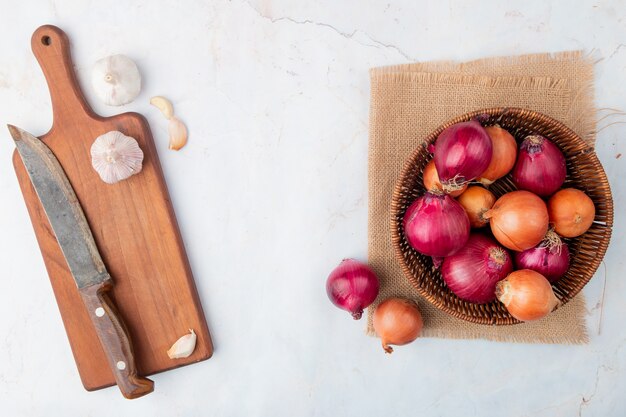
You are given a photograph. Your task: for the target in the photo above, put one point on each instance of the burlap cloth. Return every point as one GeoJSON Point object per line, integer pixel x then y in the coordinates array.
{"type": "Point", "coordinates": [410, 101]}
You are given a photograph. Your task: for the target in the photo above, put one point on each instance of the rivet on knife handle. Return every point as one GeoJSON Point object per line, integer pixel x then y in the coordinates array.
{"type": "Point", "coordinates": [83, 259]}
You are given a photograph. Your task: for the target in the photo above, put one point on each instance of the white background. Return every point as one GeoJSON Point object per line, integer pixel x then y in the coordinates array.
{"type": "Point", "coordinates": [271, 194]}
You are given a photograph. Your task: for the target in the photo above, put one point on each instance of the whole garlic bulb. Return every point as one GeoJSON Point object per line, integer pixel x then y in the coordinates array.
{"type": "Point", "coordinates": [116, 80]}
{"type": "Point", "coordinates": [116, 156]}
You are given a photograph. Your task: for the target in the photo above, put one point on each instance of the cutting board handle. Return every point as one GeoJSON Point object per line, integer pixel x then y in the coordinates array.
{"type": "Point", "coordinates": [51, 47]}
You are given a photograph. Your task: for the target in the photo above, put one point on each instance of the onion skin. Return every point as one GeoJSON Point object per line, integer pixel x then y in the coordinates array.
{"type": "Point", "coordinates": [397, 321]}
{"type": "Point", "coordinates": [431, 180]}
{"type": "Point", "coordinates": [437, 261]}
{"type": "Point", "coordinates": [477, 201]}
{"type": "Point", "coordinates": [473, 272]}
{"type": "Point", "coordinates": [352, 286]}
{"type": "Point", "coordinates": [550, 258]}
{"type": "Point", "coordinates": [527, 295]}
{"type": "Point", "coordinates": [518, 220]}
{"type": "Point", "coordinates": [503, 156]}
{"type": "Point", "coordinates": [571, 212]}
{"type": "Point", "coordinates": [462, 152]}
{"type": "Point", "coordinates": [540, 166]}
{"type": "Point", "coordinates": [436, 225]}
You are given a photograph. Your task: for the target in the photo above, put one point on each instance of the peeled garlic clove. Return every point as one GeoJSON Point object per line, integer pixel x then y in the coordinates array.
{"type": "Point", "coordinates": [164, 105]}
{"type": "Point", "coordinates": [116, 80]}
{"type": "Point", "coordinates": [183, 346]}
{"type": "Point", "coordinates": [178, 133]}
{"type": "Point", "coordinates": [116, 156]}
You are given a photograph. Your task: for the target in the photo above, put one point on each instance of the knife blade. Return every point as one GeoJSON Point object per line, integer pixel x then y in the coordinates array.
{"type": "Point", "coordinates": [79, 249]}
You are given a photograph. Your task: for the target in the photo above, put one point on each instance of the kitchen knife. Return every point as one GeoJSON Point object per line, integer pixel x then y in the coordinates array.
{"type": "Point", "coordinates": [81, 254]}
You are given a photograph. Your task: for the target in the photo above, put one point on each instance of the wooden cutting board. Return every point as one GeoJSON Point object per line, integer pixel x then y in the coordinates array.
{"type": "Point", "coordinates": [133, 224]}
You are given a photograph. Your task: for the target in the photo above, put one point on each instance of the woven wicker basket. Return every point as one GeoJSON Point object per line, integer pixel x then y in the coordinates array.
{"type": "Point", "coordinates": [584, 172]}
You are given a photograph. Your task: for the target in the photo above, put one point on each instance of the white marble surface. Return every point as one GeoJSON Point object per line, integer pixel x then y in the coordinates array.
{"type": "Point", "coordinates": [271, 193]}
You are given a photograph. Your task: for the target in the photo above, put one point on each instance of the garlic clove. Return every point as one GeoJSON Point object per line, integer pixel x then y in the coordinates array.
{"type": "Point", "coordinates": [116, 80]}
{"type": "Point", "coordinates": [164, 105]}
{"type": "Point", "coordinates": [176, 128]}
{"type": "Point", "coordinates": [115, 156]}
{"type": "Point", "coordinates": [184, 346]}
{"type": "Point", "coordinates": [178, 133]}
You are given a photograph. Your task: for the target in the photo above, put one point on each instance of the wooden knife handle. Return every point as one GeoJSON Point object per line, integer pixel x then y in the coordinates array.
{"type": "Point", "coordinates": [115, 341]}
{"type": "Point", "coordinates": [51, 47]}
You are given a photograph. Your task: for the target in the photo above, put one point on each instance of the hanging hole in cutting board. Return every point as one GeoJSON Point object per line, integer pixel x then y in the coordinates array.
{"type": "Point", "coordinates": [46, 40]}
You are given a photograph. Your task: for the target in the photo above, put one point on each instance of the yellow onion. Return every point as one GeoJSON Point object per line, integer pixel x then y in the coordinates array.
{"type": "Point", "coordinates": [504, 155]}
{"type": "Point", "coordinates": [477, 201]}
{"type": "Point", "coordinates": [571, 212]}
{"type": "Point", "coordinates": [527, 295]}
{"type": "Point", "coordinates": [518, 220]}
{"type": "Point", "coordinates": [431, 180]}
{"type": "Point", "coordinates": [397, 321]}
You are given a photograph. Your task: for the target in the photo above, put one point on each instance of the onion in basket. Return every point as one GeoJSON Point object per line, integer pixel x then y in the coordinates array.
{"type": "Point", "coordinates": [477, 201]}
{"type": "Point", "coordinates": [431, 180]}
{"type": "Point", "coordinates": [519, 220]}
{"type": "Point", "coordinates": [550, 258]}
{"type": "Point", "coordinates": [571, 211]}
{"type": "Point", "coordinates": [527, 295]}
{"type": "Point", "coordinates": [540, 166]}
{"type": "Point", "coordinates": [504, 155]}
{"type": "Point", "coordinates": [436, 225]}
{"type": "Point", "coordinates": [462, 152]}
{"type": "Point", "coordinates": [473, 272]}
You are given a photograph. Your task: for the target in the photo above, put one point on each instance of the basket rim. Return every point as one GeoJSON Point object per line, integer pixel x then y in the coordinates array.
{"type": "Point", "coordinates": [397, 236]}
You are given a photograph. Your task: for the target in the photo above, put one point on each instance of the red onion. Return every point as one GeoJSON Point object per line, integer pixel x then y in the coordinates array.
{"type": "Point", "coordinates": [540, 166]}
{"type": "Point", "coordinates": [473, 272]}
{"type": "Point", "coordinates": [436, 225]}
{"type": "Point", "coordinates": [352, 286]}
{"type": "Point", "coordinates": [462, 152]}
{"type": "Point", "coordinates": [550, 258]}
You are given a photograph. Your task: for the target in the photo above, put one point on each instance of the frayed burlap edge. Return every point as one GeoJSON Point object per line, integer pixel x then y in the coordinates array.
{"type": "Point", "coordinates": [487, 69]}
